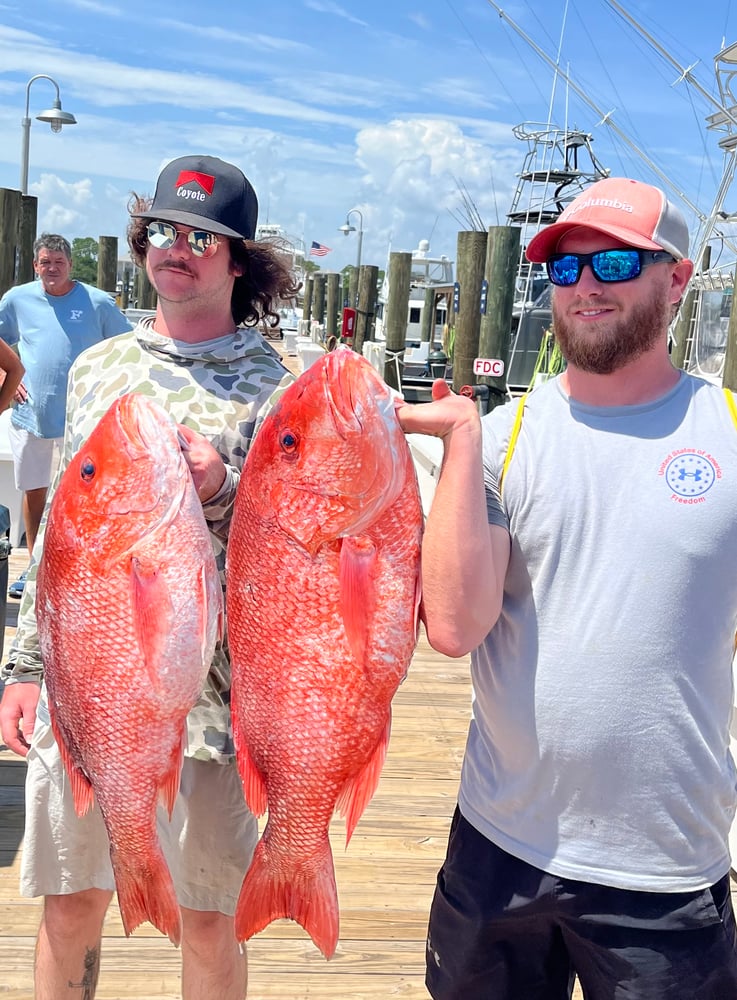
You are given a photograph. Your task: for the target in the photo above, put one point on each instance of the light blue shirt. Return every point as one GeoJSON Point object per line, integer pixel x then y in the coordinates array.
{"type": "Point", "coordinates": [599, 745]}
{"type": "Point", "coordinates": [50, 331]}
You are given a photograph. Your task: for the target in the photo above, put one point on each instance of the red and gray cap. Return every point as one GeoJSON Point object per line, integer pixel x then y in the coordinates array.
{"type": "Point", "coordinates": [208, 192]}
{"type": "Point", "coordinates": [637, 214]}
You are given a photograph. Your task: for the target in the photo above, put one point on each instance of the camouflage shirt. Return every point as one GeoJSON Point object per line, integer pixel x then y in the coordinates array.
{"type": "Point", "coordinates": [222, 388]}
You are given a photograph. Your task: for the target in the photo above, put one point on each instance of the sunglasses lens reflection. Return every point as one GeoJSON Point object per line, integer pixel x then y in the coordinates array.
{"type": "Point", "coordinates": [162, 236]}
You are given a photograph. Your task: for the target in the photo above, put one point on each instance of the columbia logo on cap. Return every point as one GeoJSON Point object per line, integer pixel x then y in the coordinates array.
{"type": "Point", "coordinates": [577, 206]}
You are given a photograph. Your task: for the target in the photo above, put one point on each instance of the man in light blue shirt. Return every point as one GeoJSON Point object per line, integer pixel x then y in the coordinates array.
{"type": "Point", "coordinates": [51, 321]}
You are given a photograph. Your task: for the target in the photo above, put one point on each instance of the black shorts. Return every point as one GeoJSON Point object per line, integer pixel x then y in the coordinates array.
{"type": "Point", "coordinates": [503, 930]}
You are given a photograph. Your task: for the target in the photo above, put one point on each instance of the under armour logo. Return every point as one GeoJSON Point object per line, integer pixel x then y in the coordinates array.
{"type": "Point", "coordinates": [695, 475]}
{"type": "Point", "coordinates": [76, 314]}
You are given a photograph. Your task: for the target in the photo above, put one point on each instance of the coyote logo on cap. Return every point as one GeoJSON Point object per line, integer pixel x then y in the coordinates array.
{"type": "Point", "coordinates": [205, 181]}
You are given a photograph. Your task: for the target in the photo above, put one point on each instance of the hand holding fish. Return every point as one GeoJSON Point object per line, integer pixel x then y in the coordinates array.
{"type": "Point", "coordinates": [206, 466]}
{"type": "Point", "coordinates": [18, 715]}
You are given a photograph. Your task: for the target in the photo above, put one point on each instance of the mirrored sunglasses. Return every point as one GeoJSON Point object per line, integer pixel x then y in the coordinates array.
{"type": "Point", "coordinates": [162, 235]}
{"type": "Point", "coordinates": [608, 265]}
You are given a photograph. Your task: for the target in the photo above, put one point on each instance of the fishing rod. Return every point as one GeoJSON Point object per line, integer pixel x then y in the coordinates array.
{"type": "Point", "coordinates": [606, 117]}
{"type": "Point", "coordinates": [724, 117]}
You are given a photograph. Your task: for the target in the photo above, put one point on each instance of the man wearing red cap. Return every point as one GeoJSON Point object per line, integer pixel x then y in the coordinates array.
{"type": "Point", "coordinates": [582, 545]}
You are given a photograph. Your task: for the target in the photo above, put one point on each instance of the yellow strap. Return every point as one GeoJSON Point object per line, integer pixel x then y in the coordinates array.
{"type": "Point", "coordinates": [731, 404]}
{"type": "Point", "coordinates": [516, 426]}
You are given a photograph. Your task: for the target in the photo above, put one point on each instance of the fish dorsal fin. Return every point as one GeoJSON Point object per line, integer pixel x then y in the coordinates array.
{"type": "Point", "coordinates": [357, 592]}
{"type": "Point", "coordinates": [358, 791]}
{"type": "Point", "coordinates": [153, 615]}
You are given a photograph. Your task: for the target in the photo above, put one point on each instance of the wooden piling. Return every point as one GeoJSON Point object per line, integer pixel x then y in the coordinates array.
{"type": "Point", "coordinates": [470, 265]}
{"type": "Point", "coordinates": [427, 321]}
{"type": "Point", "coordinates": [10, 217]}
{"type": "Point", "coordinates": [366, 306]}
{"type": "Point", "coordinates": [145, 291]}
{"type": "Point", "coordinates": [495, 336]}
{"type": "Point", "coordinates": [318, 305]}
{"type": "Point", "coordinates": [353, 278]}
{"type": "Point", "coordinates": [107, 264]}
{"type": "Point", "coordinates": [28, 223]}
{"type": "Point", "coordinates": [400, 272]}
{"type": "Point", "coordinates": [125, 291]}
{"type": "Point", "coordinates": [333, 305]}
{"type": "Point", "coordinates": [308, 294]}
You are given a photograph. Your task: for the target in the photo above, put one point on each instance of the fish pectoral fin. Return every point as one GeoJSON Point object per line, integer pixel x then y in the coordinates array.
{"type": "Point", "coordinates": [357, 591]}
{"type": "Point", "coordinates": [358, 791]}
{"type": "Point", "coordinates": [153, 614]}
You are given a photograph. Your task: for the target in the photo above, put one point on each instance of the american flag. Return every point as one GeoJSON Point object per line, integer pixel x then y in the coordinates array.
{"type": "Point", "coordinates": [318, 249]}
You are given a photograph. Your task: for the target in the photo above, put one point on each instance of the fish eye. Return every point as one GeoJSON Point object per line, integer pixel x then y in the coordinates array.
{"type": "Point", "coordinates": [288, 441]}
{"type": "Point", "coordinates": [87, 469]}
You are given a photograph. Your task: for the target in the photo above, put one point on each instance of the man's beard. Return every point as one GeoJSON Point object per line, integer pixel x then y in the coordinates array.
{"type": "Point", "coordinates": [622, 341]}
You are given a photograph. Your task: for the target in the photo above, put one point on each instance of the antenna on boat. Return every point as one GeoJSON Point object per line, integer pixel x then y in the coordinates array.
{"type": "Point", "coordinates": [724, 119]}
{"type": "Point", "coordinates": [557, 64]}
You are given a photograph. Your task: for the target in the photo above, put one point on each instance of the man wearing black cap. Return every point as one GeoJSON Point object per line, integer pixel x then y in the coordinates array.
{"type": "Point", "coordinates": [202, 359]}
{"type": "Point", "coordinates": [582, 546]}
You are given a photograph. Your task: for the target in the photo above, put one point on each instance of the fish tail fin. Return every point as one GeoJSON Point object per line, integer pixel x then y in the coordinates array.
{"type": "Point", "coordinates": [146, 892]}
{"type": "Point", "coordinates": [307, 895]}
{"type": "Point", "coordinates": [358, 791]}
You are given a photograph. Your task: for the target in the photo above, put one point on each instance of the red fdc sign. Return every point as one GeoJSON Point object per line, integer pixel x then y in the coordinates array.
{"type": "Point", "coordinates": [488, 366]}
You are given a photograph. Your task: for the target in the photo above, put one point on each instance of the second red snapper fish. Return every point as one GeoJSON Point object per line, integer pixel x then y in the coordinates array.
{"type": "Point", "coordinates": [323, 574]}
{"type": "Point", "coordinates": [129, 608]}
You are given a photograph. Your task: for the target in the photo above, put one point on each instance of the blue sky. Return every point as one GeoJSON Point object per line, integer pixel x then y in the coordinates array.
{"type": "Point", "coordinates": [391, 108]}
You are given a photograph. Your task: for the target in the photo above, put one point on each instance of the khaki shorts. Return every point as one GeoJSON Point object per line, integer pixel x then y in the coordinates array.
{"type": "Point", "coordinates": [208, 845]}
{"type": "Point", "coordinates": [34, 458]}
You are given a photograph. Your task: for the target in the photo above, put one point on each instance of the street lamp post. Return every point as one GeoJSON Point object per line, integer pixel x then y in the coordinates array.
{"type": "Point", "coordinates": [54, 116]}
{"type": "Point", "coordinates": [348, 228]}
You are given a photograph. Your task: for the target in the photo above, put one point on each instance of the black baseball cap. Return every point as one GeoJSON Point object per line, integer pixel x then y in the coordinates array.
{"type": "Point", "coordinates": [208, 192]}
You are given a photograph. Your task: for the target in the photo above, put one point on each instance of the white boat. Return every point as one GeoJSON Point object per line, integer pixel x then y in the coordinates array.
{"type": "Point", "coordinates": [293, 247]}
{"type": "Point", "coordinates": [426, 272]}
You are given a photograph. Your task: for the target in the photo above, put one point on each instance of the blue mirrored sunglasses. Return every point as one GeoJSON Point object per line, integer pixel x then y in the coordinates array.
{"type": "Point", "coordinates": [162, 235]}
{"type": "Point", "coordinates": [608, 265]}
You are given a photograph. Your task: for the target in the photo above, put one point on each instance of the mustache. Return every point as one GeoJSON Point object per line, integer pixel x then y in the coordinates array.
{"type": "Point", "coordinates": [173, 267]}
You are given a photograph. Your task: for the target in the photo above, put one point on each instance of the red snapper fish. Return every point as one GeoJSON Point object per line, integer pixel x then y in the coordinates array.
{"type": "Point", "coordinates": [323, 574]}
{"type": "Point", "coordinates": [129, 608]}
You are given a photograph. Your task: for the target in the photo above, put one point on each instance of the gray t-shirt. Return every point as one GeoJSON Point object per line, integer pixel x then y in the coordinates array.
{"type": "Point", "coordinates": [598, 748]}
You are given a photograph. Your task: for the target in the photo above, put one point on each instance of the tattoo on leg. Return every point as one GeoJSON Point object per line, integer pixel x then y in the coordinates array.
{"type": "Point", "coordinates": [88, 985]}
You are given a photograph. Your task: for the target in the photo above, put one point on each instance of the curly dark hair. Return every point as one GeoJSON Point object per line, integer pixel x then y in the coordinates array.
{"type": "Point", "coordinates": [266, 280]}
